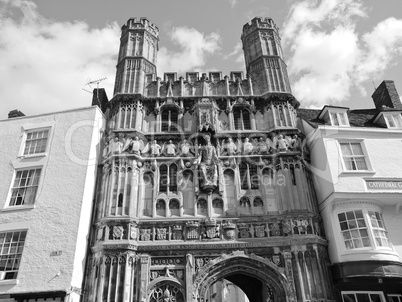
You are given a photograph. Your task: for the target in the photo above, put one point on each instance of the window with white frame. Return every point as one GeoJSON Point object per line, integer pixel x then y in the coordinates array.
{"type": "Point", "coordinates": [393, 120]}
{"type": "Point", "coordinates": [362, 296]}
{"type": "Point", "coordinates": [11, 246]}
{"type": "Point", "coordinates": [338, 119]}
{"type": "Point", "coordinates": [395, 298]}
{"type": "Point", "coordinates": [25, 187]}
{"type": "Point", "coordinates": [36, 141]}
{"type": "Point", "coordinates": [363, 229]}
{"type": "Point", "coordinates": [353, 156]}
{"type": "Point", "coordinates": [379, 231]}
{"type": "Point", "coordinates": [354, 229]}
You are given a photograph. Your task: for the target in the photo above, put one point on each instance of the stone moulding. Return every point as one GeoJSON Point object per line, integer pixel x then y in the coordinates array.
{"type": "Point", "coordinates": [241, 262]}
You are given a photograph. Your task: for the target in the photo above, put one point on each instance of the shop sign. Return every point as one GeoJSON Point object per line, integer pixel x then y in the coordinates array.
{"type": "Point", "coordinates": [384, 185]}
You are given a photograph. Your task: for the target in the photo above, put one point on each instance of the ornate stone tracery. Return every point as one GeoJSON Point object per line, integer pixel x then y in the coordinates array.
{"type": "Point", "coordinates": [204, 179]}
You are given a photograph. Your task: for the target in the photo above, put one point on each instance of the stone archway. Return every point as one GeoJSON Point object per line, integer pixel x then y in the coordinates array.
{"type": "Point", "coordinates": [166, 290]}
{"type": "Point", "coordinates": [242, 269]}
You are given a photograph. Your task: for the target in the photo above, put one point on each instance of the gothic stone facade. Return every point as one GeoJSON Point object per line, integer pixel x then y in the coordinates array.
{"type": "Point", "coordinates": [204, 178]}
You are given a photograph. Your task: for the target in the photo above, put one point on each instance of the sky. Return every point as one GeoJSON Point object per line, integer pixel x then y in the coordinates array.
{"type": "Point", "coordinates": [336, 51]}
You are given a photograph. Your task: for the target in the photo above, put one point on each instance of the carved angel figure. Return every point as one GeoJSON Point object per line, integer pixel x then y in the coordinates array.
{"type": "Point", "coordinates": [282, 144]}
{"type": "Point", "coordinates": [133, 145]}
{"type": "Point", "coordinates": [262, 146]}
{"type": "Point", "coordinates": [247, 146]}
{"type": "Point", "coordinates": [137, 145]}
{"type": "Point", "coordinates": [186, 149]}
{"type": "Point", "coordinates": [154, 149]}
{"type": "Point", "coordinates": [229, 148]}
{"type": "Point", "coordinates": [115, 145]}
{"type": "Point", "coordinates": [169, 149]}
{"type": "Point", "coordinates": [295, 142]}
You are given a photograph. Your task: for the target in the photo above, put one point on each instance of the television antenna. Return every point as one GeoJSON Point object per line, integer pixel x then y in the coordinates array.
{"type": "Point", "coordinates": [89, 83]}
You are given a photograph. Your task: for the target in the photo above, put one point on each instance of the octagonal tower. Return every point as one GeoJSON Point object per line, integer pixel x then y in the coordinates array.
{"type": "Point", "coordinates": [264, 57]}
{"type": "Point", "coordinates": [136, 64]}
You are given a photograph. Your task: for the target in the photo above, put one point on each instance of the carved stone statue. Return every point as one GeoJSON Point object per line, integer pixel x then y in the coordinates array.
{"type": "Point", "coordinates": [294, 142]}
{"type": "Point", "coordinates": [115, 146]}
{"type": "Point", "coordinates": [229, 148]}
{"type": "Point", "coordinates": [282, 143]}
{"type": "Point", "coordinates": [263, 148]}
{"type": "Point", "coordinates": [207, 161]}
{"type": "Point", "coordinates": [247, 146]}
{"type": "Point", "coordinates": [136, 145]}
{"type": "Point", "coordinates": [154, 149]}
{"type": "Point", "coordinates": [186, 149]}
{"type": "Point", "coordinates": [169, 149]}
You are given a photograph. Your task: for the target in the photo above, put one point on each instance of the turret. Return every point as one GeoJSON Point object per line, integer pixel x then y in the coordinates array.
{"type": "Point", "coordinates": [264, 57]}
{"type": "Point", "coordinates": [136, 64]}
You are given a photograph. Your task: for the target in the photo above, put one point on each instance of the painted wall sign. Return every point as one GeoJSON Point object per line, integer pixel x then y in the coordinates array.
{"type": "Point", "coordinates": [384, 184]}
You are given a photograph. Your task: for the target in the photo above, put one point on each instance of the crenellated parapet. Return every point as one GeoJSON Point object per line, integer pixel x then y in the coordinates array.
{"type": "Point", "coordinates": [141, 23]}
{"type": "Point", "coordinates": [260, 23]}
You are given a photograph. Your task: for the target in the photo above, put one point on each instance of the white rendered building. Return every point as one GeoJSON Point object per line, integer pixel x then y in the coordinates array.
{"type": "Point", "coordinates": [357, 167]}
{"type": "Point", "coordinates": [48, 168]}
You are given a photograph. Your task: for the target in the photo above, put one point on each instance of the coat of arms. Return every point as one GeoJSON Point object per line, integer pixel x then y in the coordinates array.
{"type": "Point", "coordinates": [133, 233]}
{"type": "Point", "coordinates": [145, 234]}
{"type": "Point", "coordinates": [117, 232]}
{"type": "Point", "coordinates": [161, 234]}
{"type": "Point", "coordinates": [211, 231]}
{"type": "Point", "coordinates": [259, 231]}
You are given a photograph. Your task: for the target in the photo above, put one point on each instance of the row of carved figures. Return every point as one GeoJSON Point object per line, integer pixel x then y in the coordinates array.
{"type": "Point", "coordinates": [227, 147]}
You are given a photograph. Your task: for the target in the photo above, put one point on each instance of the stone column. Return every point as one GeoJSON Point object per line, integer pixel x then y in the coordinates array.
{"type": "Point", "coordinates": [189, 276]}
{"type": "Point", "coordinates": [128, 277]}
{"type": "Point", "coordinates": [101, 279]}
{"type": "Point", "coordinates": [289, 274]}
{"type": "Point", "coordinates": [144, 260]}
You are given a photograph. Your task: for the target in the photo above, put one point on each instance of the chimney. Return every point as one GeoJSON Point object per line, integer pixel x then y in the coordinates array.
{"type": "Point", "coordinates": [15, 113]}
{"type": "Point", "coordinates": [386, 96]}
{"type": "Point", "coordinates": [99, 98]}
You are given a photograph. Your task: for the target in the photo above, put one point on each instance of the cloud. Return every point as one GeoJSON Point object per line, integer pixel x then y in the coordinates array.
{"type": "Point", "coordinates": [381, 46]}
{"type": "Point", "coordinates": [232, 3]}
{"type": "Point", "coordinates": [237, 54]}
{"type": "Point", "coordinates": [313, 13]}
{"type": "Point", "coordinates": [329, 57]}
{"type": "Point", "coordinates": [323, 63]}
{"type": "Point", "coordinates": [46, 63]}
{"type": "Point", "coordinates": [194, 48]}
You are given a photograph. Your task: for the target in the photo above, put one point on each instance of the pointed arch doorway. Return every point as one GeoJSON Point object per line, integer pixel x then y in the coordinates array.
{"type": "Point", "coordinates": [259, 279]}
{"type": "Point", "coordinates": [239, 287]}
